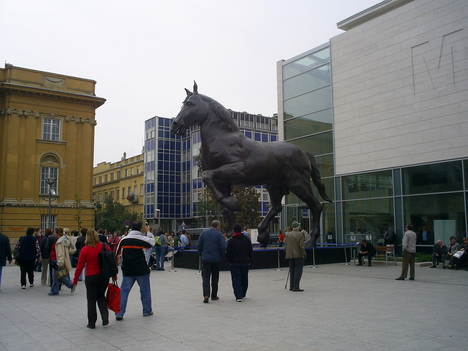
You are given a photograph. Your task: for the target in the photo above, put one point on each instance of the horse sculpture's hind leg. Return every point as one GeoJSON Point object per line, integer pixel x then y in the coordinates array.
{"type": "Point", "coordinates": [276, 194]}
{"type": "Point", "coordinates": [303, 190]}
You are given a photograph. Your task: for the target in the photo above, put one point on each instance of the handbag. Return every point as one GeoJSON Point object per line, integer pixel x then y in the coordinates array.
{"type": "Point", "coordinates": [61, 273]}
{"type": "Point", "coordinates": [113, 296]}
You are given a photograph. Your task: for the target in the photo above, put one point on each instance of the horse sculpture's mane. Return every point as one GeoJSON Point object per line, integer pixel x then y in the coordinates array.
{"type": "Point", "coordinates": [220, 111]}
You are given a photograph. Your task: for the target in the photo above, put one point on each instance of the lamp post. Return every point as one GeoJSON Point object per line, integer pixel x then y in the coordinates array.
{"type": "Point", "coordinates": [50, 182]}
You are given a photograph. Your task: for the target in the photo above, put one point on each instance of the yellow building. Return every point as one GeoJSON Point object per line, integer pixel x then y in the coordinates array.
{"type": "Point", "coordinates": [123, 181]}
{"type": "Point", "coordinates": [47, 123]}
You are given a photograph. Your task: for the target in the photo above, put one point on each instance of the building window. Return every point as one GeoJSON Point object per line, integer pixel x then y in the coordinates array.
{"type": "Point", "coordinates": [51, 129]}
{"type": "Point", "coordinates": [47, 222]}
{"type": "Point", "coordinates": [123, 193]}
{"type": "Point", "coordinates": [48, 174]}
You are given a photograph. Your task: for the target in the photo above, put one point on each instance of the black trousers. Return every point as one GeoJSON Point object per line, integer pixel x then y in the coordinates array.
{"type": "Point", "coordinates": [296, 266]}
{"type": "Point", "coordinates": [369, 257]}
{"type": "Point", "coordinates": [26, 267]}
{"type": "Point", "coordinates": [240, 279]}
{"type": "Point", "coordinates": [95, 293]}
{"type": "Point", "coordinates": [210, 269]}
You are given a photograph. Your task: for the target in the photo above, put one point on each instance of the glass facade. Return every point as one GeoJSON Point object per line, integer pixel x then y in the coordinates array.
{"type": "Point", "coordinates": [433, 197]}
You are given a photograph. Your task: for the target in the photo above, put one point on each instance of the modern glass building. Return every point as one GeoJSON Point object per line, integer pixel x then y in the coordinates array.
{"type": "Point", "coordinates": [384, 108]}
{"type": "Point", "coordinates": [173, 184]}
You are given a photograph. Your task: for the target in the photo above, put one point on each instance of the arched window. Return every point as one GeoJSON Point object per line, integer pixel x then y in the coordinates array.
{"type": "Point", "coordinates": [49, 174]}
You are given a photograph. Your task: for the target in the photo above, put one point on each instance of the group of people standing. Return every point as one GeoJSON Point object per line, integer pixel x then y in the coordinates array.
{"type": "Point", "coordinates": [212, 245]}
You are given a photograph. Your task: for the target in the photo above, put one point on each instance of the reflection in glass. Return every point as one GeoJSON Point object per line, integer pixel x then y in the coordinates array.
{"type": "Point", "coordinates": [316, 144]}
{"type": "Point", "coordinates": [442, 215]}
{"type": "Point", "coordinates": [303, 83]}
{"type": "Point", "coordinates": [433, 178]}
{"type": "Point", "coordinates": [368, 185]}
{"type": "Point", "coordinates": [304, 104]}
{"type": "Point", "coordinates": [367, 216]}
{"type": "Point", "coordinates": [305, 63]}
{"type": "Point", "coordinates": [325, 165]}
{"type": "Point", "coordinates": [308, 124]}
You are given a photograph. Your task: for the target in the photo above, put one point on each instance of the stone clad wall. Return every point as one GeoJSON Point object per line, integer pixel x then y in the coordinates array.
{"type": "Point", "coordinates": [400, 84]}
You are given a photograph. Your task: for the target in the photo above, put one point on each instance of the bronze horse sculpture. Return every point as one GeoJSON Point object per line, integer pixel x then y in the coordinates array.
{"type": "Point", "coordinates": [229, 158]}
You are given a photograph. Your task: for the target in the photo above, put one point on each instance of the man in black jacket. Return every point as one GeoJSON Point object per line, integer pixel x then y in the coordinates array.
{"type": "Point", "coordinates": [5, 253]}
{"type": "Point", "coordinates": [134, 268]}
{"type": "Point", "coordinates": [239, 254]}
{"type": "Point", "coordinates": [439, 251]}
{"type": "Point", "coordinates": [367, 249]}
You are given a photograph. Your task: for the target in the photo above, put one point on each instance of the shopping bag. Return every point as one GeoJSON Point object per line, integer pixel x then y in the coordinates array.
{"type": "Point", "coordinates": [113, 297]}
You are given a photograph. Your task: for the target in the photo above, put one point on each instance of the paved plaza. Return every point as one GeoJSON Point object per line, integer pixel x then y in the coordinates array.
{"type": "Point", "coordinates": [343, 307]}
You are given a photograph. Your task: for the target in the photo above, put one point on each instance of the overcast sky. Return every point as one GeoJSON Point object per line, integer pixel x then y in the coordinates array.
{"type": "Point", "coordinates": [143, 53]}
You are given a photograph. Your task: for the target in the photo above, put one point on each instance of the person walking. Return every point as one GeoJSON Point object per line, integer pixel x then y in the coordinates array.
{"type": "Point", "coordinates": [211, 246]}
{"type": "Point", "coordinates": [295, 253]}
{"type": "Point", "coordinates": [160, 242]}
{"type": "Point", "coordinates": [409, 253]}
{"type": "Point", "coordinates": [60, 260]}
{"type": "Point", "coordinates": [5, 253]}
{"type": "Point", "coordinates": [134, 268]}
{"type": "Point", "coordinates": [27, 249]}
{"type": "Point", "coordinates": [95, 284]}
{"type": "Point", "coordinates": [45, 255]}
{"type": "Point", "coordinates": [239, 254]}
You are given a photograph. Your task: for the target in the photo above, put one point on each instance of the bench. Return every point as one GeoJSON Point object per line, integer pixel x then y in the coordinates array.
{"type": "Point", "coordinates": [385, 251]}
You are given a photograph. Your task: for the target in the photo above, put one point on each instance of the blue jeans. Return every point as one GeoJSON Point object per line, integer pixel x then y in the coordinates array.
{"type": "Point", "coordinates": [56, 283]}
{"type": "Point", "coordinates": [145, 293]}
{"type": "Point", "coordinates": [160, 253]}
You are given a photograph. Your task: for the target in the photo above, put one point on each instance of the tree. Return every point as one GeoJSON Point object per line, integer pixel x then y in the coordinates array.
{"type": "Point", "coordinates": [79, 209]}
{"type": "Point", "coordinates": [207, 207]}
{"type": "Point", "coordinates": [250, 204]}
{"type": "Point", "coordinates": [113, 216]}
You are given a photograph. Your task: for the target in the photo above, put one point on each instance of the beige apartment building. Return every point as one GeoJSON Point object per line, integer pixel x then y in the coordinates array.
{"type": "Point", "coordinates": [47, 123]}
{"type": "Point", "coordinates": [123, 181]}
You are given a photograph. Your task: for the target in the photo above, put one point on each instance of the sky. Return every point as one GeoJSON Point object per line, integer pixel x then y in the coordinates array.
{"type": "Point", "coordinates": [143, 53]}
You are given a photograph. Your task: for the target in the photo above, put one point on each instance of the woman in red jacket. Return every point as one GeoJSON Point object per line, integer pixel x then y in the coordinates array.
{"type": "Point", "coordinates": [95, 285]}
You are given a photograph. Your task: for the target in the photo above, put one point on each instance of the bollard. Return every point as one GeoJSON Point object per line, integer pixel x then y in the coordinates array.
{"type": "Point", "coordinates": [279, 266]}
{"type": "Point", "coordinates": [172, 261]}
{"type": "Point", "coordinates": [313, 258]}
{"type": "Point", "coordinates": [199, 266]}
{"type": "Point", "coordinates": [345, 256]}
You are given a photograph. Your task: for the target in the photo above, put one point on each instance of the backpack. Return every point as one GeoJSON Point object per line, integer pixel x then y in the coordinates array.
{"type": "Point", "coordinates": [158, 240]}
{"type": "Point", "coordinates": [107, 263]}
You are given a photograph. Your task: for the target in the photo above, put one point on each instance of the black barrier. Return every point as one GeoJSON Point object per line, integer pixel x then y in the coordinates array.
{"type": "Point", "coordinates": [273, 257]}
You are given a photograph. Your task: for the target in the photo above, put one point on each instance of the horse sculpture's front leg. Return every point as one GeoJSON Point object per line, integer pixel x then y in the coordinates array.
{"type": "Point", "coordinates": [222, 190]}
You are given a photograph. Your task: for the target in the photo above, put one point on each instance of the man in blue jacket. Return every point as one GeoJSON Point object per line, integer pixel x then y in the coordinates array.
{"type": "Point", "coordinates": [211, 247]}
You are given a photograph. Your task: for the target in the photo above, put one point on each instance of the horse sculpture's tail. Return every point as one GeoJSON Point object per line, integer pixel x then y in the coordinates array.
{"type": "Point", "coordinates": [316, 179]}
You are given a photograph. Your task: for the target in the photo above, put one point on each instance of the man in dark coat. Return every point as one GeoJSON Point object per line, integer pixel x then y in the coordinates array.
{"type": "Point", "coordinates": [5, 253]}
{"type": "Point", "coordinates": [439, 251]}
{"type": "Point", "coordinates": [239, 254]}
{"type": "Point", "coordinates": [211, 246]}
{"type": "Point", "coordinates": [367, 249]}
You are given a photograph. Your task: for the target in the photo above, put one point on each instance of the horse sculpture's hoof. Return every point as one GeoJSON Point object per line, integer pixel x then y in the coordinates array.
{"type": "Point", "coordinates": [263, 238]}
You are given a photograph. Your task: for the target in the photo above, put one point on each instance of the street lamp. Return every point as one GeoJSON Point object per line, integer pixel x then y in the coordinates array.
{"type": "Point", "coordinates": [50, 182]}
{"type": "Point", "coordinates": [157, 213]}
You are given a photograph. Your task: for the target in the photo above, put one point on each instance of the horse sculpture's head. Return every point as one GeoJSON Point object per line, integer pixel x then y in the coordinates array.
{"type": "Point", "coordinates": [194, 111]}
